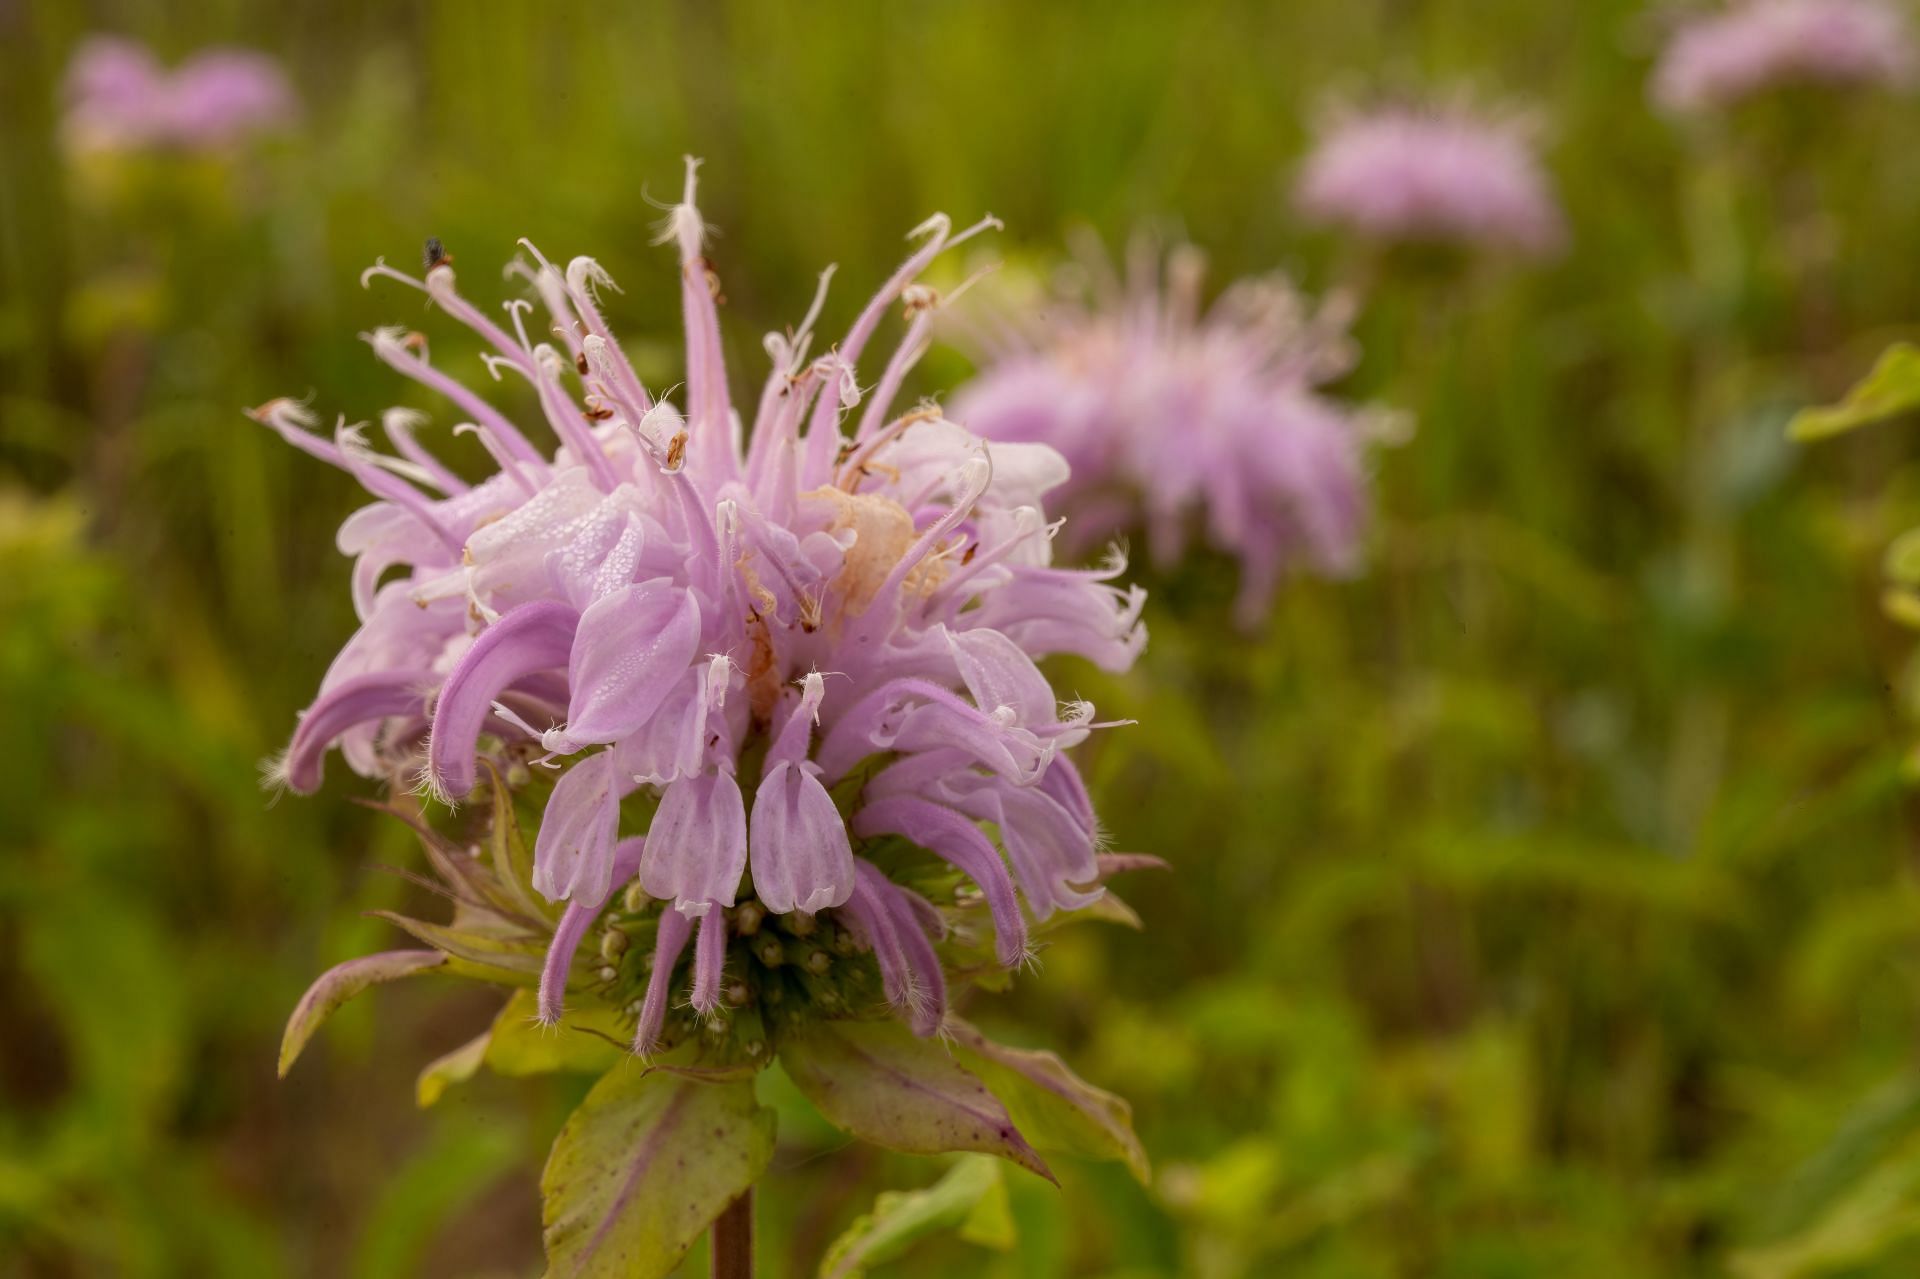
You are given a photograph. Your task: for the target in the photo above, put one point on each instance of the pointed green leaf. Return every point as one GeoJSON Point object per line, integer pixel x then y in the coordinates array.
{"type": "Point", "coordinates": [455, 1067]}
{"type": "Point", "coordinates": [643, 1167]}
{"type": "Point", "coordinates": [481, 899]}
{"type": "Point", "coordinates": [970, 1199]}
{"type": "Point", "coordinates": [587, 1040]}
{"type": "Point", "coordinates": [512, 860]}
{"type": "Point", "coordinates": [1054, 1107]}
{"type": "Point", "coordinates": [1893, 387]}
{"type": "Point", "coordinates": [510, 955]}
{"type": "Point", "coordinates": [880, 1083]}
{"type": "Point", "coordinates": [339, 984]}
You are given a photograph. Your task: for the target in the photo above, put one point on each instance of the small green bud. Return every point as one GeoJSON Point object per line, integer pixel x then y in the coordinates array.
{"type": "Point", "coordinates": [613, 943]}
{"type": "Point", "coordinates": [770, 952]}
{"type": "Point", "coordinates": [818, 961]}
{"type": "Point", "coordinates": [635, 899]}
{"type": "Point", "coordinates": [799, 924]}
{"type": "Point", "coordinates": [747, 918]}
{"type": "Point", "coordinates": [738, 993]}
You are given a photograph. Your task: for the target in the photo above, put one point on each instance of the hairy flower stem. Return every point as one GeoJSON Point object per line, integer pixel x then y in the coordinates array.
{"type": "Point", "coordinates": [733, 1239]}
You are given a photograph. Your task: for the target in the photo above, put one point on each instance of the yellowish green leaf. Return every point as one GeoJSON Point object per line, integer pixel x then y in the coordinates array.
{"type": "Point", "coordinates": [1892, 387]}
{"type": "Point", "coordinates": [883, 1085]}
{"type": "Point", "coordinates": [643, 1167]}
{"type": "Point", "coordinates": [339, 984]}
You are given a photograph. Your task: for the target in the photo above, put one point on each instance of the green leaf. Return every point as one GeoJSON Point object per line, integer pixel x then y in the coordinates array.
{"type": "Point", "coordinates": [1055, 1108]}
{"type": "Point", "coordinates": [971, 1199]}
{"type": "Point", "coordinates": [339, 984]}
{"type": "Point", "coordinates": [498, 958]}
{"type": "Point", "coordinates": [587, 1041]}
{"type": "Point", "coordinates": [880, 1083]}
{"type": "Point", "coordinates": [512, 860]}
{"type": "Point", "coordinates": [643, 1167]}
{"type": "Point", "coordinates": [455, 1067]}
{"type": "Point", "coordinates": [1893, 387]}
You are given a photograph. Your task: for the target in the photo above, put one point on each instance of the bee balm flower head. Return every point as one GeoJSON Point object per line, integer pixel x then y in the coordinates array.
{"type": "Point", "coordinates": [1724, 58]}
{"type": "Point", "coordinates": [809, 643]}
{"type": "Point", "coordinates": [120, 98]}
{"type": "Point", "coordinates": [1173, 416]}
{"type": "Point", "coordinates": [1401, 175]}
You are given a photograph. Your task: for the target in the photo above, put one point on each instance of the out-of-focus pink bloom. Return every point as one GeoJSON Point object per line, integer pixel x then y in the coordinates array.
{"type": "Point", "coordinates": [1723, 58]}
{"type": "Point", "coordinates": [1170, 417]}
{"type": "Point", "coordinates": [120, 98]}
{"type": "Point", "coordinates": [739, 622]}
{"type": "Point", "coordinates": [1446, 176]}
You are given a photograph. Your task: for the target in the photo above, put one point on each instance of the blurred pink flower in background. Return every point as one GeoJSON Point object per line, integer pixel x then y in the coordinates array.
{"type": "Point", "coordinates": [1445, 176]}
{"type": "Point", "coordinates": [119, 98]}
{"type": "Point", "coordinates": [1171, 417]}
{"type": "Point", "coordinates": [1720, 59]}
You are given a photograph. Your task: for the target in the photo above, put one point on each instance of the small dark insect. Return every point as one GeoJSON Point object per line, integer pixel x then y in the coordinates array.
{"type": "Point", "coordinates": [436, 253]}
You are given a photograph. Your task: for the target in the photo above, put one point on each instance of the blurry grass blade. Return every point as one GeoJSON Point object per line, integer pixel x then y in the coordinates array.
{"type": "Point", "coordinates": [1888, 1118]}
{"type": "Point", "coordinates": [971, 1199]}
{"type": "Point", "coordinates": [1893, 387]}
{"type": "Point", "coordinates": [1902, 606]}
{"type": "Point", "coordinates": [468, 1152]}
{"type": "Point", "coordinates": [1902, 561]}
{"type": "Point", "coordinates": [643, 1167]}
{"type": "Point", "coordinates": [342, 982]}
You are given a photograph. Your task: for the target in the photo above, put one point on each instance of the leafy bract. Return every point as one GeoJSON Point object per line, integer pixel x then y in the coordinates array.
{"type": "Point", "coordinates": [339, 984]}
{"type": "Point", "coordinates": [1055, 1108]}
{"type": "Point", "coordinates": [883, 1085]}
{"type": "Point", "coordinates": [643, 1167]}
{"type": "Point", "coordinates": [971, 1199]}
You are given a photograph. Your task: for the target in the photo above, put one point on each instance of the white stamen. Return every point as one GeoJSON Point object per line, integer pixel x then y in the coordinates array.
{"type": "Point", "coordinates": [587, 277]}
{"type": "Point", "coordinates": [380, 268]}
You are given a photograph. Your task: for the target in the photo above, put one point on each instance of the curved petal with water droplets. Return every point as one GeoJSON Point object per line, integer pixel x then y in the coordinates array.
{"type": "Point", "coordinates": [534, 637]}
{"type": "Point", "coordinates": [347, 704]}
{"type": "Point", "coordinates": [631, 647]}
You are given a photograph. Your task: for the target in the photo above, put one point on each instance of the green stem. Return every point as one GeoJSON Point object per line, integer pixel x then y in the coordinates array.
{"type": "Point", "coordinates": [733, 1239]}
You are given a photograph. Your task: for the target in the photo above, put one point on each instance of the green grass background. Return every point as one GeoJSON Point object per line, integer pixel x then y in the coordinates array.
{"type": "Point", "coordinates": [1544, 900]}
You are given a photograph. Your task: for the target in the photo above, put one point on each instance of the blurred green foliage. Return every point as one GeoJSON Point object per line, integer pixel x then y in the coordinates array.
{"type": "Point", "coordinates": [1544, 903]}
